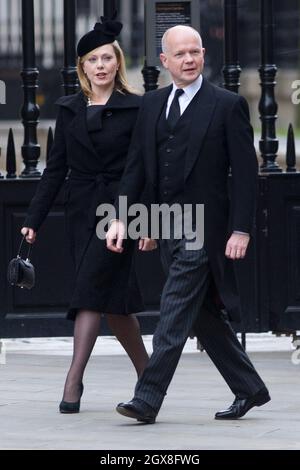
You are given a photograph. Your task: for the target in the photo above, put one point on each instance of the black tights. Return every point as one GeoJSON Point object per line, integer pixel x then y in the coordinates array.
{"type": "Point", "coordinates": [86, 329]}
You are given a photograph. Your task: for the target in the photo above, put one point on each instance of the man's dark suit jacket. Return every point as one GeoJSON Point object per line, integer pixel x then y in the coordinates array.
{"type": "Point", "coordinates": [221, 138]}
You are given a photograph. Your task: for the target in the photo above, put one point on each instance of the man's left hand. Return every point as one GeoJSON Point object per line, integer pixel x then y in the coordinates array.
{"type": "Point", "coordinates": [147, 244]}
{"type": "Point", "coordinates": [237, 246]}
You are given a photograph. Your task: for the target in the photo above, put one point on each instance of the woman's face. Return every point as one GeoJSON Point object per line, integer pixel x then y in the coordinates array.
{"type": "Point", "coordinates": [101, 66]}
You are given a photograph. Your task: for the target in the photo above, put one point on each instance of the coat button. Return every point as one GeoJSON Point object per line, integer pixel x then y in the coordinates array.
{"type": "Point", "coordinates": [108, 113]}
{"type": "Point", "coordinates": [171, 137]}
{"type": "Point", "coordinates": [168, 150]}
{"type": "Point", "coordinates": [166, 164]}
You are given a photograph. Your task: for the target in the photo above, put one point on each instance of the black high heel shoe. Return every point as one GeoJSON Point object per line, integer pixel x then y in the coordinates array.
{"type": "Point", "coordinates": [71, 407]}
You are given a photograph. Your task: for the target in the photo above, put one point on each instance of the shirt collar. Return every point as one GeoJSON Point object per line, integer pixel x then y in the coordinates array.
{"type": "Point", "coordinates": [191, 89]}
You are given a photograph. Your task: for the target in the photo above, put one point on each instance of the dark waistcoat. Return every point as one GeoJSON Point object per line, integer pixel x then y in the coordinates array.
{"type": "Point", "coordinates": [171, 151]}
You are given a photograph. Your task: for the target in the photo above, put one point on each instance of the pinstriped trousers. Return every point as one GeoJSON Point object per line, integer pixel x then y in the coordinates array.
{"type": "Point", "coordinates": [184, 304]}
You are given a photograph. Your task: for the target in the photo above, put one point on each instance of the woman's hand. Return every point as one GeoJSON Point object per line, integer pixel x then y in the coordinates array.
{"type": "Point", "coordinates": [115, 236]}
{"type": "Point", "coordinates": [29, 233]}
{"type": "Point", "coordinates": [147, 244]}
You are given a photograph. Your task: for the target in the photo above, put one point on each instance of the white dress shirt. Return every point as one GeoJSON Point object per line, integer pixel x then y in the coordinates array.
{"type": "Point", "coordinates": [186, 97]}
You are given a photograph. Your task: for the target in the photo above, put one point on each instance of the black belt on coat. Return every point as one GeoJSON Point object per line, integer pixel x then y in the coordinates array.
{"type": "Point", "coordinates": [100, 184]}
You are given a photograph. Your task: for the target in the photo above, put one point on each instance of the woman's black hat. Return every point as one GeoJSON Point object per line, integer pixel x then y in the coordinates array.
{"type": "Point", "coordinates": [103, 33]}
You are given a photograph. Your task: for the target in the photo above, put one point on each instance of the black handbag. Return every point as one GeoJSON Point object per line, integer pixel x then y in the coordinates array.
{"type": "Point", "coordinates": [20, 271]}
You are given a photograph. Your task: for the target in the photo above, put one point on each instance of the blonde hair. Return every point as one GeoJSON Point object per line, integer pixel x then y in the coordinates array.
{"type": "Point", "coordinates": [121, 83]}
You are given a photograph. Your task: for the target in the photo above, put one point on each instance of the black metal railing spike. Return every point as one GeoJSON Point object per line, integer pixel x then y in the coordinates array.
{"type": "Point", "coordinates": [231, 70]}
{"type": "Point", "coordinates": [30, 110]}
{"type": "Point", "coordinates": [49, 143]}
{"type": "Point", "coordinates": [290, 151]}
{"type": "Point", "coordinates": [11, 156]}
{"type": "Point", "coordinates": [268, 145]}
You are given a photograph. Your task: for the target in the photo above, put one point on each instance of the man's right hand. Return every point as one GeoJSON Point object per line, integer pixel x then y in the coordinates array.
{"type": "Point", "coordinates": [29, 234]}
{"type": "Point", "coordinates": [115, 236]}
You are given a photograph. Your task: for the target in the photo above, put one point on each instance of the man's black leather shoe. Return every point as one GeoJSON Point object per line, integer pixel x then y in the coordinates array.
{"type": "Point", "coordinates": [137, 409]}
{"type": "Point", "coordinates": [241, 406]}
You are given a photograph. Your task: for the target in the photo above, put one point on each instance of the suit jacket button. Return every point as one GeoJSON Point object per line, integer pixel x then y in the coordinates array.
{"type": "Point", "coordinates": [168, 150]}
{"type": "Point", "coordinates": [108, 113]}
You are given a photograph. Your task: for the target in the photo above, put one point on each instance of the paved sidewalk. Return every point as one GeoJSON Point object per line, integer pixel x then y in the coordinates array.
{"type": "Point", "coordinates": [33, 376]}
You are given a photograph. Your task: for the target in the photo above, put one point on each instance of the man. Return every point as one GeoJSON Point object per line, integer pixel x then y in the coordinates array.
{"type": "Point", "coordinates": [187, 137]}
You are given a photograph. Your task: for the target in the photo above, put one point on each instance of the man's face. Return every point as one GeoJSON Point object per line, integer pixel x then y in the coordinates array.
{"type": "Point", "coordinates": [184, 57]}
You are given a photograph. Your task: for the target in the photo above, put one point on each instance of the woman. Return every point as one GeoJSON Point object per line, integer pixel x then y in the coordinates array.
{"type": "Point", "coordinates": [93, 131]}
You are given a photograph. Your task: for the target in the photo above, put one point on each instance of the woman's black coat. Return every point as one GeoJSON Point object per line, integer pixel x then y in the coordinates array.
{"type": "Point", "coordinates": [102, 277]}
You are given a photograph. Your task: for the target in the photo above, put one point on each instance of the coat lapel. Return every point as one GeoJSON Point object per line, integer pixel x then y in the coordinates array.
{"type": "Point", "coordinates": [77, 103]}
{"type": "Point", "coordinates": [150, 146]}
{"type": "Point", "coordinates": [119, 100]}
{"type": "Point", "coordinates": [204, 112]}
{"type": "Point", "coordinates": [78, 127]}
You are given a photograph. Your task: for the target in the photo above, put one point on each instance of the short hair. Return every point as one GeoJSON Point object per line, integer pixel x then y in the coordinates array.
{"type": "Point", "coordinates": [182, 27]}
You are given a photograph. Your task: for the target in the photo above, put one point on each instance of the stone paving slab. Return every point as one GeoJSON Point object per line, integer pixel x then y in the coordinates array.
{"type": "Point", "coordinates": [31, 387]}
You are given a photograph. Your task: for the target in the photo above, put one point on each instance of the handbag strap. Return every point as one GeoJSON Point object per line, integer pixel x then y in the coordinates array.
{"type": "Point", "coordinates": [20, 248]}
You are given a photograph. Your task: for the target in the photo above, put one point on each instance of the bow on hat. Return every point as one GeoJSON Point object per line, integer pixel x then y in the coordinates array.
{"type": "Point", "coordinates": [109, 25]}
{"type": "Point", "coordinates": [104, 32]}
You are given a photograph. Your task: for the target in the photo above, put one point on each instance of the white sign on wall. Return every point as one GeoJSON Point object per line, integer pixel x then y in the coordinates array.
{"type": "Point", "coordinates": [162, 15]}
